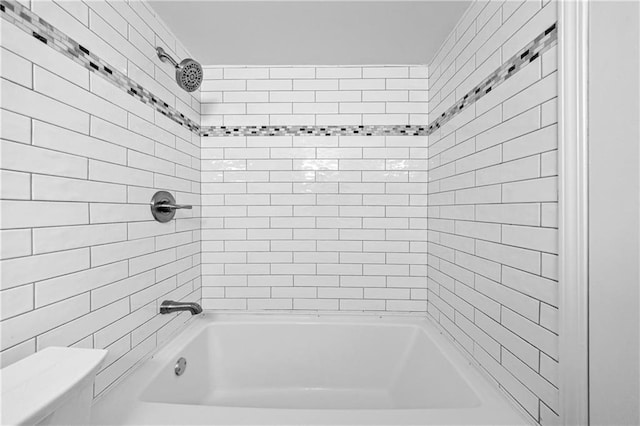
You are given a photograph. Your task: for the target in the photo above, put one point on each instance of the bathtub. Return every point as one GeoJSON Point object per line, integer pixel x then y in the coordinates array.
{"type": "Point", "coordinates": [294, 370]}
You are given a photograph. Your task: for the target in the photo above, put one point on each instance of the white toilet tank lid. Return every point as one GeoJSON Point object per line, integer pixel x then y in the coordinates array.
{"type": "Point", "coordinates": [36, 386]}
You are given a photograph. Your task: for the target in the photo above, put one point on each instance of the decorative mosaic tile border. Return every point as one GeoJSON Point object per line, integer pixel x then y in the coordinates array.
{"type": "Point", "coordinates": [32, 24]}
{"type": "Point", "coordinates": [377, 130]}
{"type": "Point", "coordinates": [530, 53]}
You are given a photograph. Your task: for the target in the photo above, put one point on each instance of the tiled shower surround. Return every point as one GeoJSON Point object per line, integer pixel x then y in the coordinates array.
{"type": "Point", "coordinates": [492, 274]}
{"type": "Point", "coordinates": [311, 222]}
{"type": "Point", "coordinates": [355, 189]}
{"type": "Point", "coordinates": [83, 263]}
{"type": "Point", "coordinates": [319, 222]}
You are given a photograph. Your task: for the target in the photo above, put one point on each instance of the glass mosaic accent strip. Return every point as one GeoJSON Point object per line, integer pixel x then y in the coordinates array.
{"type": "Point", "coordinates": [530, 53]}
{"type": "Point", "coordinates": [32, 24]}
{"type": "Point", "coordinates": [377, 130]}
{"type": "Point", "coordinates": [14, 13]}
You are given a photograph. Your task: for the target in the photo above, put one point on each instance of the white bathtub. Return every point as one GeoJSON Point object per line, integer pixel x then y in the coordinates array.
{"type": "Point", "coordinates": [293, 370]}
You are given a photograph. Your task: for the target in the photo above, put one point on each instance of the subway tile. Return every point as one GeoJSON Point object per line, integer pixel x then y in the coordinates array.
{"type": "Point", "coordinates": [106, 172]}
{"type": "Point", "coordinates": [542, 140]}
{"type": "Point", "coordinates": [16, 301]}
{"type": "Point", "coordinates": [362, 107]}
{"type": "Point", "coordinates": [132, 139]}
{"type": "Point", "coordinates": [77, 329]}
{"type": "Point", "coordinates": [289, 96]}
{"type": "Point", "coordinates": [524, 350]}
{"type": "Point", "coordinates": [108, 253]}
{"type": "Point", "coordinates": [55, 87]}
{"type": "Point", "coordinates": [509, 129]}
{"type": "Point", "coordinates": [107, 12]}
{"type": "Point", "coordinates": [549, 215]}
{"type": "Point", "coordinates": [536, 286]}
{"type": "Point", "coordinates": [339, 96]}
{"type": "Point", "coordinates": [407, 84]}
{"type": "Point", "coordinates": [387, 72]}
{"type": "Point", "coordinates": [152, 260]}
{"type": "Point", "coordinates": [361, 84]}
{"type": "Point", "coordinates": [479, 125]}
{"type": "Point", "coordinates": [517, 170]}
{"type": "Point", "coordinates": [15, 243]}
{"type": "Point", "coordinates": [28, 269]}
{"type": "Point", "coordinates": [30, 48]}
{"type": "Point", "coordinates": [292, 72]}
{"type": "Point", "coordinates": [516, 214]}
{"type": "Point", "coordinates": [541, 387]}
{"type": "Point", "coordinates": [109, 334]}
{"type": "Point", "coordinates": [338, 72]}
{"type": "Point", "coordinates": [15, 185]}
{"type": "Point", "coordinates": [32, 323]}
{"type": "Point", "coordinates": [534, 190]}
{"type": "Point", "coordinates": [536, 94]}
{"type": "Point", "coordinates": [224, 85]}
{"type": "Point", "coordinates": [316, 84]}
{"type": "Point", "coordinates": [29, 158]}
{"type": "Point", "coordinates": [24, 214]}
{"type": "Point", "coordinates": [267, 85]}
{"type": "Point", "coordinates": [532, 332]}
{"type": "Point", "coordinates": [15, 127]}
{"type": "Point", "coordinates": [59, 139]}
{"type": "Point", "coordinates": [16, 68]}
{"type": "Point", "coordinates": [316, 304]}
{"type": "Point", "coordinates": [520, 392]}
{"type": "Point", "coordinates": [52, 239]}
{"type": "Point", "coordinates": [362, 305]}
{"type": "Point", "coordinates": [63, 189]}
{"type": "Point", "coordinates": [549, 114]}
{"type": "Point", "coordinates": [526, 260]}
{"type": "Point", "coordinates": [245, 73]}
{"type": "Point", "coordinates": [541, 239]}
{"type": "Point", "coordinates": [59, 18]}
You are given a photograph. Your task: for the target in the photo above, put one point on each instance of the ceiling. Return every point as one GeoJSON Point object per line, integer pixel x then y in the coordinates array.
{"type": "Point", "coordinates": [311, 32]}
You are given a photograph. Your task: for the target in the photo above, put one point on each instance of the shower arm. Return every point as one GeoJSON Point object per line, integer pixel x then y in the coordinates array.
{"type": "Point", "coordinates": [164, 57]}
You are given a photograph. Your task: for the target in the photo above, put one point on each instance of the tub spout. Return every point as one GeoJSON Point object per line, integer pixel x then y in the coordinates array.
{"type": "Point", "coordinates": [169, 306]}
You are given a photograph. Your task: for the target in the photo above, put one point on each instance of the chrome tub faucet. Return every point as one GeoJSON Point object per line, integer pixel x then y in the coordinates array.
{"type": "Point", "coordinates": [169, 306]}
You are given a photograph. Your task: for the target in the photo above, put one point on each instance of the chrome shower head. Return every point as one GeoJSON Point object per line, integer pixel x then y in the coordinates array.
{"type": "Point", "coordinates": [188, 72]}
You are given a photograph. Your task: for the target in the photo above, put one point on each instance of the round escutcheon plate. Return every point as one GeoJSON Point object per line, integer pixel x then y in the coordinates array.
{"type": "Point", "coordinates": [159, 213]}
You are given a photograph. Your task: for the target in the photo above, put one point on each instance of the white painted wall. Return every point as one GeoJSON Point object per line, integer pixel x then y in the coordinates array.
{"type": "Point", "coordinates": [311, 32]}
{"type": "Point", "coordinates": [613, 213]}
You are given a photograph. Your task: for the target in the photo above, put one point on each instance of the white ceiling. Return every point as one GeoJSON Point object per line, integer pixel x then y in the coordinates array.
{"type": "Point", "coordinates": [311, 32]}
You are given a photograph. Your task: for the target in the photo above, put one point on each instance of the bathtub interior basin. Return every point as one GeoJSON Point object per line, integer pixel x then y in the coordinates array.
{"type": "Point", "coordinates": [268, 369]}
{"type": "Point", "coordinates": [313, 365]}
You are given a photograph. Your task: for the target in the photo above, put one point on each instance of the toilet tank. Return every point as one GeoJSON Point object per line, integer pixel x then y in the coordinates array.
{"type": "Point", "coordinates": [52, 386]}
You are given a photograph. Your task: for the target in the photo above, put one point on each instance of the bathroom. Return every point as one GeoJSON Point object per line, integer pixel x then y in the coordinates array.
{"type": "Point", "coordinates": [319, 212]}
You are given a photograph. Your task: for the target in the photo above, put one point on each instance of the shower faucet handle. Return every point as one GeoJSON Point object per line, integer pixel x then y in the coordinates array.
{"type": "Point", "coordinates": [163, 206]}
{"type": "Point", "coordinates": [167, 206]}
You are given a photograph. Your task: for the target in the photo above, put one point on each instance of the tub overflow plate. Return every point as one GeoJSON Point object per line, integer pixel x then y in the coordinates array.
{"type": "Point", "coordinates": [181, 365]}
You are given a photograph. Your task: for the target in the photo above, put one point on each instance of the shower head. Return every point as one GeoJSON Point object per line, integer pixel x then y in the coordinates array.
{"type": "Point", "coordinates": [188, 72]}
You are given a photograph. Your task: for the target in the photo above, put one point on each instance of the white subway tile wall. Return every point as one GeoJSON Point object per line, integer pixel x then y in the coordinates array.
{"type": "Point", "coordinates": [319, 223]}
{"type": "Point", "coordinates": [83, 263]}
{"type": "Point", "coordinates": [314, 223]}
{"type": "Point", "coordinates": [261, 96]}
{"type": "Point", "coordinates": [492, 203]}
